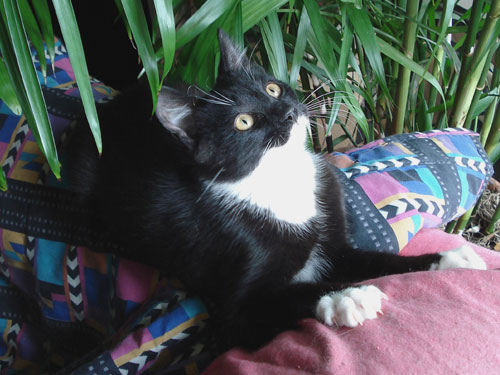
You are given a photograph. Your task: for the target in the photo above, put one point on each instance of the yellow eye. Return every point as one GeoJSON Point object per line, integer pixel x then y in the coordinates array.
{"type": "Point", "coordinates": [273, 89]}
{"type": "Point", "coordinates": [243, 121]}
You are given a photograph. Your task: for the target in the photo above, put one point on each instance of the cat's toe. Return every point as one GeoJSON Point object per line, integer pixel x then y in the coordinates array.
{"type": "Point", "coordinates": [350, 307]}
{"type": "Point", "coordinates": [462, 257]}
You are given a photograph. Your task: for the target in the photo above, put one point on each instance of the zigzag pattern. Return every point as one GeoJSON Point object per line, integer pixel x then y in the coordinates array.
{"type": "Point", "coordinates": [158, 310]}
{"type": "Point", "coordinates": [11, 346]}
{"type": "Point", "coordinates": [478, 166]}
{"type": "Point", "coordinates": [403, 205]}
{"type": "Point", "coordinates": [135, 365]}
{"type": "Point", "coordinates": [30, 248]}
{"type": "Point", "coordinates": [15, 146]}
{"type": "Point", "coordinates": [4, 269]}
{"type": "Point", "coordinates": [381, 165]}
{"type": "Point", "coordinates": [74, 284]}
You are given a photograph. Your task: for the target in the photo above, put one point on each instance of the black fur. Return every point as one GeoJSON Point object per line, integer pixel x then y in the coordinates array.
{"type": "Point", "coordinates": [149, 190]}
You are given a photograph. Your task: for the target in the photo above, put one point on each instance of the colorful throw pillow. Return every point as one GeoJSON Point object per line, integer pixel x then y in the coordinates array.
{"type": "Point", "coordinates": [398, 185]}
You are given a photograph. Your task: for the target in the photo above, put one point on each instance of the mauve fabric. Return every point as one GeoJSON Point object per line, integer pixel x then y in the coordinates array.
{"type": "Point", "coordinates": [435, 322]}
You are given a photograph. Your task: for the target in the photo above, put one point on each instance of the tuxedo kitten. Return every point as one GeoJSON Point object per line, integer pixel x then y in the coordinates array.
{"type": "Point", "coordinates": [220, 191]}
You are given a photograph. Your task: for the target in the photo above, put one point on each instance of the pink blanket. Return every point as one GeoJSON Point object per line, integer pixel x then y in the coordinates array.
{"type": "Point", "coordinates": [435, 322]}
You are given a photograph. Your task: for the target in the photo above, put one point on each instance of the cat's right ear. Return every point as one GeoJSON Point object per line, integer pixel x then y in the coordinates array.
{"type": "Point", "coordinates": [174, 112]}
{"type": "Point", "coordinates": [232, 57]}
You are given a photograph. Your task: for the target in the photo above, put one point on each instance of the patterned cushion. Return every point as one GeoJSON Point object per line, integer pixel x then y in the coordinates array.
{"type": "Point", "coordinates": [64, 306]}
{"type": "Point", "coordinates": [400, 184]}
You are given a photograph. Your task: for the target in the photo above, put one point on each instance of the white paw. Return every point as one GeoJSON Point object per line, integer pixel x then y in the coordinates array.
{"type": "Point", "coordinates": [350, 307]}
{"type": "Point", "coordinates": [462, 257]}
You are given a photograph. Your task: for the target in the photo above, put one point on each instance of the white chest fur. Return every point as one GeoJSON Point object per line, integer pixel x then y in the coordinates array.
{"type": "Point", "coordinates": [283, 182]}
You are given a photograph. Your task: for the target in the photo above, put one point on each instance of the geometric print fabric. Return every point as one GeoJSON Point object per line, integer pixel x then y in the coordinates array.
{"type": "Point", "coordinates": [417, 180]}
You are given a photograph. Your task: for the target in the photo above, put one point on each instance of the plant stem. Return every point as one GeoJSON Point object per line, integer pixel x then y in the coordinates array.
{"type": "Point", "coordinates": [494, 220]}
{"type": "Point", "coordinates": [494, 135]}
{"type": "Point", "coordinates": [470, 74]}
{"type": "Point", "coordinates": [410, 33]}
{"type": "Point", "coordinates": [479, 89]}
{"type": "Point", "coordinates": [490, 112]}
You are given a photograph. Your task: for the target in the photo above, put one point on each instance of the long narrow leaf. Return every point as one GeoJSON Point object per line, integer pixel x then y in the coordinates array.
{"type": "Point", "coordinates": [139, 26]}
{"type": "Point", "coordinates": [238, 25]}
{"type": "Point", "coordinates": [7, 93]}
{"type": "Point", "coordinates": [322, 47]}
{"type": "Point", "coordinates": [45, 21]}
{"type": "Point", "coordinates": [71, 35]}
{"type": "Point", "coordinates": [300, 47]}
{"type": "Point", "coordinates": [3, 180]}
{"type": "Point", "coordinates": [201, 19]}
{"type": "Point", "coordinates": [364, 30]}
{"type": "Point", "coordinates": [38, 119]}
{"type": "Point", "coordinates": [166, 24]}
{"type": "Point", "coordinates": [34, 33]}
{"type": "Point", "coordinates": [273, 41]}
{"type": "Point", "coordinates": [400, 58]}
{"type": "Point", "coordinates": [256, 10]}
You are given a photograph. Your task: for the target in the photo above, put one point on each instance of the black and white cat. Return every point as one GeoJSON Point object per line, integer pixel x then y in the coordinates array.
{"type": "Point", "coordinates": [221, 192]}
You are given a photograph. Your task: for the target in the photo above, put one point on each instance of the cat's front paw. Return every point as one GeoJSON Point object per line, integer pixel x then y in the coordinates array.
{"type": "Point", "coordinates": [350, 307]}
{"type": "Point", "coordinates": [462, 257]}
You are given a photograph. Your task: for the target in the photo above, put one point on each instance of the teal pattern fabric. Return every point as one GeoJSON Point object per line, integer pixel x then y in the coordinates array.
{"type": "Point", "coordinates": [400, 184]}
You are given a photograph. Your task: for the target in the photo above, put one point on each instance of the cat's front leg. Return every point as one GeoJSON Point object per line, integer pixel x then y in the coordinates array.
{"type": "Point", "coordinates": [352, 306]}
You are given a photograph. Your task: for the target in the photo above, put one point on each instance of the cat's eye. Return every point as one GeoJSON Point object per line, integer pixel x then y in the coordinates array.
{"type": "Point", "coordinates": [243, 122]}
{"type": "Point", "coordinates": [273, 89]}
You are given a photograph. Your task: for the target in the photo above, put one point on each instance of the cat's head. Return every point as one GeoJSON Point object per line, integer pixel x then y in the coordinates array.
{"type": "Point", "coordinates": [230, 129]}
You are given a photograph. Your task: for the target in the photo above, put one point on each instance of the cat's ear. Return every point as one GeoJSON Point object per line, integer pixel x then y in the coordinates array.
{"type": "Point", "coordinates": [232, 57]}
{"type": "Point", "coordinates": [174, 111]}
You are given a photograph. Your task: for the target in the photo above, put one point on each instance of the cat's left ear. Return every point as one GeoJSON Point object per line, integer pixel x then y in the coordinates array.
{"type": "Point", "coordinates": [232, 57]}
{"type": "Point", "coordinates": [174, 111]}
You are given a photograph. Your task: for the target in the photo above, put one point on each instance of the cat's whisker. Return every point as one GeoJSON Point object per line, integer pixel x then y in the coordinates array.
{"type": "Point", "coordinates": [213, 96]}
{"type": "Point", "coordinates": [222, 96]}
{"type": "Point", "coordinates": [326, 94]}
{"type": "Point", "coordinates": [212, 181]}
{"type": "Point", "coordinates": [212, 101]}
{"type": "Point", "coordinates": [317, 88]}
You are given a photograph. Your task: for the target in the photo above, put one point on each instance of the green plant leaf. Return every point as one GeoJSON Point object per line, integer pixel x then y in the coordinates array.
{"type": "Point", "coordinates": [364, 30]}
{"type": "Point", "coordinates": [45, 21]}
{"type": "Point", "coordinates": [300, 47]}
{"type": "Point", "coordinates": [273, 41]}
{"type": "Point", "coordinates": [238, 25]}
{"type": "Point", "coordinates": [119, 6]}
{"type": "Point", "coordinates": [69, 29]}
{"type": "Point", "coordinates": [400, 58]}
{"type": "Point", "coordinates": [7, 93]}
{"type": "Point", "coordinates": [139, 26]}
{"type": "Point", "coordinates": [166, 24]}
{"type": "Point", "coordinates": [3, 180]}
{"type": "Point", "coordinates": [34, 105]}
{"type": "Point", "coordinates": [33, 32]}
{"type": "Point", "coordinates": [210, 11]}
{"type": "Point", "coordinates": [323, 47]}
{"type": "Point", "coordinates": [256, 10]}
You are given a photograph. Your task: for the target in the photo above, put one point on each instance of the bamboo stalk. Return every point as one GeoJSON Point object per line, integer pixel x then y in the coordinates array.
{"type": "Point", "coordinates": [479, 89]}
{"type": "Point", "coordinates": [410, 33]}
{"type": "Point", "coordinates": [469, 77]}
{"type": "Point", "coordinates": [490, 111]}
{"type": "Point", "coordinates": [494, 220]}
{"type": "Point", "coordinates": [494, 135]}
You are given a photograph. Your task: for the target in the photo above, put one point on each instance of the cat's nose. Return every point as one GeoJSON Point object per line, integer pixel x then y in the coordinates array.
{"type": "Point", "coordinates": [291, 115]}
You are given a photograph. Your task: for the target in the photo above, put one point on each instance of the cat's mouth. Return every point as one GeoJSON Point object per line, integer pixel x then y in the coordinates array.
{"type": "Point", "coordinates": [294, 133]}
